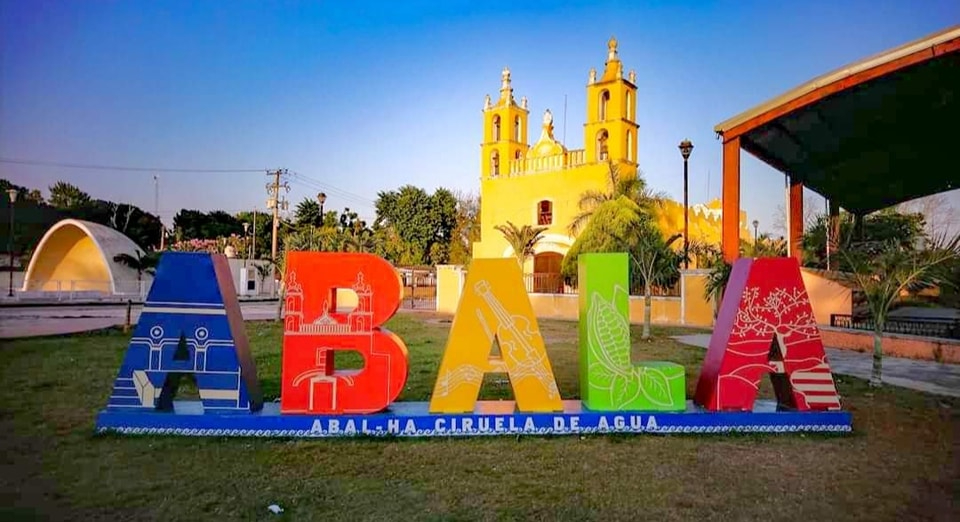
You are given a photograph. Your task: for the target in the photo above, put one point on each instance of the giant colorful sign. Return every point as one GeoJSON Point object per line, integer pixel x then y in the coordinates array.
{"type": "Point", "coordinates": [191, 325]}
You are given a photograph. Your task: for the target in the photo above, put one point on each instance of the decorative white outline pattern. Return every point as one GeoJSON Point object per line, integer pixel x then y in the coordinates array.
{"type": "Point", "coordinates": [733, 428]}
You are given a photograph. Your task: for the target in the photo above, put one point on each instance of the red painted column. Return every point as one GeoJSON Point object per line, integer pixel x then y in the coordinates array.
{"type": "Point", "coordinates": [730, 243]}
{"type": "Point", "coordinates": [796, 219]}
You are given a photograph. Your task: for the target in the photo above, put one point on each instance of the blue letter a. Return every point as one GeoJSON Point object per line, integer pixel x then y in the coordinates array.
{"type": "Point", "coordinates": [190, 325]}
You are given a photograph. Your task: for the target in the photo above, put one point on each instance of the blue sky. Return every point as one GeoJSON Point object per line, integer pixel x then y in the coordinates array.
{"type": "Point", "coordinates": [358, 97]}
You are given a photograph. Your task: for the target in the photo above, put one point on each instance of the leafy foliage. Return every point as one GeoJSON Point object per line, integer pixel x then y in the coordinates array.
{"type": "Point", "coordinates": [467, 229]}
{"type": "Point", "coordinates": [888, 225]}
{"type": "Point", "coordinates": [656, 263]}
{"type": "Point", "coordinates": [308, 213]}
{"type": "Point", "coordinates": [522, 239]}
{"type": "Point", "coordinates": [410, 221]}
{"type": "Point", "coordinates": [884, 270]}
{"type": "Point", "coordinates": [33, 216]}
{"type": "Point", "coordinates": [66, 196]}
{"type": "Point", "coordinates": [619, 186]}
{"type": "Point", "coordinates": [141, 262]}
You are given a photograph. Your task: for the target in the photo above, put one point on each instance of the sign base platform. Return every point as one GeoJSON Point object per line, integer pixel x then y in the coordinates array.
{"type": "Point", "coordinates": [413, 419]}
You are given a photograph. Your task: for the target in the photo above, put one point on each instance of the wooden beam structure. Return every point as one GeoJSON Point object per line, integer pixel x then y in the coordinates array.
{"type": "Point", "coordinates": [730, 219]}
{"type": "Point", "coordinates": [784, 133]}
{"type": "Point", "coordinates": [795, 225]}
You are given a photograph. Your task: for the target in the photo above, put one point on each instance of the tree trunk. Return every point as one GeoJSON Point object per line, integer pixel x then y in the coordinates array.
{"type": "Point", "coordinates": [646, 311]}
{"type": "Point", "coordinates": [876, 376]}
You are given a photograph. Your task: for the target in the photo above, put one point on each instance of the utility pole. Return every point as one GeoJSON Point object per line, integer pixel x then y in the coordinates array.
{"type": "Point", "coordinates": [276, 202]}
{"type": "Point", "coordinates": [156, 208]}
{"type": "Point", "coordinates": [253, 249]}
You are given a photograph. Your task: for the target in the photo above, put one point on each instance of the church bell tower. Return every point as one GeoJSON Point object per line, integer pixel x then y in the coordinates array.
{"type": "Point", "coordinates": [610, 131]}
{"type": "Point", "coordinates": [504, 131]}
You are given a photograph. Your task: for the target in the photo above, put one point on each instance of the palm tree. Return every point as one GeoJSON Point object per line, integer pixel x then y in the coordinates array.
{"type": "Point", "coordinates": [142, 263]}
{"type": "Point", "coordinates": [265, 270]}
{"type": "Point", "coordinates": [655, 261]}
{"type": "Point", "coordinates": [618, 186]}
{"type": "Point", "coordinates": [885, 269]}
{"type": "Point", "coordinates": [523, 240]}
{"type": "Point", "coordinates": [308, 213]}
{"type": "Point", "coordinates": [358, 239]}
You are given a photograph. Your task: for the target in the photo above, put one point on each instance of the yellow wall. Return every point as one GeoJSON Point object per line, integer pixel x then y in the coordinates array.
{"type": "Point", "coordinates": [515, 199]}
{"type": "Point", "coordinates": [826, 295]}
{"type": "Point", "coordinates": [697, 310]}
{"type": "Point", "coordinates": [449, 286]}
{"type": "Point", "coordinates": [71, 258]}
{"type": "Point", "coordinates": [704, 222]}
{"type": "Point", "coordinates": [665, 310]}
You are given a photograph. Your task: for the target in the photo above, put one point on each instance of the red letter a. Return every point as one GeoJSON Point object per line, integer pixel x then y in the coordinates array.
{"type": "Point", "coordinates": [766, 325]}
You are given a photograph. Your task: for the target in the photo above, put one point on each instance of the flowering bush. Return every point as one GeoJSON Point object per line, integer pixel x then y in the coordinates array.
{"type": "Point", "coordinates": [197, 245]}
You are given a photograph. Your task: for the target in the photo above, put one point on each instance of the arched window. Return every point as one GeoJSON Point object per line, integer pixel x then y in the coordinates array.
{"type": "Point", "coordinates": [629, 114]}
{"type": "Point", "coordinates": [517, 155]}
{"type": "Point", "coordinates": [630, 145]}
{"type": "Point", "coordinates": [545, 213]}
{"type": "Point", "coordinates": [494, 164]}
{"type": "Point", "coordinates": [604, 102]}
{"type": "Point", "coordinates": [496, 128]}
{"type": "Point", "coordinates": [516, 129]}
{"type": "Point", "coordinates": [602, 137]}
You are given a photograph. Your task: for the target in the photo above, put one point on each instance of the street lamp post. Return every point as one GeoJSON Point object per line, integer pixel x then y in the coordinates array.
{"type": "Point", "coordinates": [756, 234]}
{"type": "Point", "coordinates": [12, 193]}
{"type": "Point", "coordinates": [322, 198]}
{"type": "Point", "coordinates": [686, 147]}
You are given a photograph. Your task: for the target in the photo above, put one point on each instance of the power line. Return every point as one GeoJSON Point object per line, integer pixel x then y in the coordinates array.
{"type": "Point", "coordinates": [335, 190]}
{"type": "Point", "coordinates": [117, 167]}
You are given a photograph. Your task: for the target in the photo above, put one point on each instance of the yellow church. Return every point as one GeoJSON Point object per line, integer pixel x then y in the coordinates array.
{"type": "Point", "coordinates": [541, 184]}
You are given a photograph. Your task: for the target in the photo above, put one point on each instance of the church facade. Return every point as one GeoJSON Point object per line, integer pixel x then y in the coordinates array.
{"type": "Point", "coordinates": [541, 184]}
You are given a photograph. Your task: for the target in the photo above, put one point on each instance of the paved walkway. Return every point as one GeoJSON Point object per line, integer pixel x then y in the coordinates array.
{"type": "Point", "coordinates": [926, 376]}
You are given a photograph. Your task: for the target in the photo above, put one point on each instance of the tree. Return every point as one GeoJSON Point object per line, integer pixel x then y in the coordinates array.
{"type": "Point", "coordinates": [261, 224]}
{"type": "Point", "coordinates": [656, 262]}
{"type": "Point", "coordinates": [195, 224]}
{"type": "Point", "coordinates": [63, 195]}
{"type": "Point", "coordinates": [466, 230]}
{"type": "Point", "coordinates": [879, 227]}
{"type": "Point", "coordinates": [308, 213]}
{"type": "Point", "coordinates": [265, 270]}
{"type": "Point", "coordinates": [522, 240]}
{"type": "Point", "coordinates": [633, 188]}
{"type": "Point", "coordinates": [409, 221]}
{"type": "Point", "coordinates": [35, 196]}
{"type": "Point", "coordinates": [142, 263]}
{"type": "Point", "coordinates": [939, 215]}
{"type": "Point", "coordinates": [884, 270]}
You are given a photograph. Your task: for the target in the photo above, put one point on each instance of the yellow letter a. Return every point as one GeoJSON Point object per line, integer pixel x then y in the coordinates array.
{"type": "Point", "coordinates": [495, 305]}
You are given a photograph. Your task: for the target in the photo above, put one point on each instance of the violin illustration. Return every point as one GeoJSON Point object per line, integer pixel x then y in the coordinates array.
{"type": "Point", "coordinates": [515, 334]}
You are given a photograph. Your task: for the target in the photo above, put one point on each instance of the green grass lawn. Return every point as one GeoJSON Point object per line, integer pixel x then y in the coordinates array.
{"type": "Point", "coordinates": [900, 464]}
